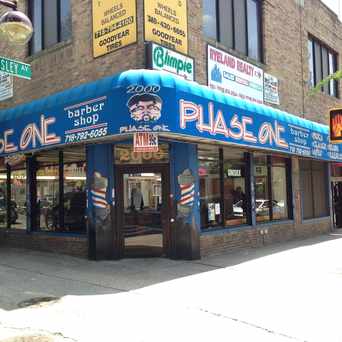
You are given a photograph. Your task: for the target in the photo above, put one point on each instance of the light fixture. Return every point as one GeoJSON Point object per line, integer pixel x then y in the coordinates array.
{"type": "Point", "coordinates": [15, 25]}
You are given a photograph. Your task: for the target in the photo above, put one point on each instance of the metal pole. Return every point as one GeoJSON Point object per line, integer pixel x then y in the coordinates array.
{"type": "Point", "coordinates": [9, 3]}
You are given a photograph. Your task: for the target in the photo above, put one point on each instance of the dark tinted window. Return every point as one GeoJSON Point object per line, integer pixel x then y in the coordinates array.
{"type": "Point", "coordinates": [238, 23]}
{"type": "Point", "coordinates": [52, 23]}
{"type": "Point", "coordinates": [322, 63]}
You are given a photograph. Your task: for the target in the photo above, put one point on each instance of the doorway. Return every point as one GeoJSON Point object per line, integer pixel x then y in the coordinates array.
{"type": "Point", "coordinates": [142, 210]}
{"type": "Point", "coordinates": [337, 203]}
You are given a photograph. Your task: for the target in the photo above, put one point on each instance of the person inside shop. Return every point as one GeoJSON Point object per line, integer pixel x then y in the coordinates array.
{"type": "Point", "coordinates": [137, 200]}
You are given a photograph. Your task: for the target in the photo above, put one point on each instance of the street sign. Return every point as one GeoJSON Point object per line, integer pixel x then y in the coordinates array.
{"type": "Point", "coordinates": [145, 142]}
{"type": "Point", "coordinates": [15, 68]}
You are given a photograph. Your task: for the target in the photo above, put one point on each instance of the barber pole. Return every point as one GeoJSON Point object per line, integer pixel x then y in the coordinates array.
{"type": "Point", "coordinates": [99, 198]}
{"type": "Point", "coordinates": [98, 191]}
{"type": "Point", "coordinates": [186, 183]}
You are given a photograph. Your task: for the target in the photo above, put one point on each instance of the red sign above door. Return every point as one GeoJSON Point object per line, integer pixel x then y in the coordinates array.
{"type": "Point", "coordinates": [145, 142]}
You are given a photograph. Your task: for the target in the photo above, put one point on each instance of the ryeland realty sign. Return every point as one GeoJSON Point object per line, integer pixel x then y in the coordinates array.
{"type": "Point", "coordinates": [161, 58]}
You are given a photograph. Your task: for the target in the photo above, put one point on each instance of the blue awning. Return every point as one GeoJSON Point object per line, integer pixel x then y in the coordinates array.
{"type": "Point", "coordinates": [188, 110]}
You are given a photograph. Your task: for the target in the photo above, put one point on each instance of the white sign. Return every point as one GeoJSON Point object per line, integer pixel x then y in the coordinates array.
{"type": "Point", "coordinates": [6, 86]}
{"type": "Point", "coordinates": [234, 173]}
{"type": "Point", "coordinates": [162, 58]}
{"type": "Point", "coordinates": [234, 76]}
{"type": "Point", "coordinates": [145, 142]}
{"type": "Point", "coordinates": [271, 93]}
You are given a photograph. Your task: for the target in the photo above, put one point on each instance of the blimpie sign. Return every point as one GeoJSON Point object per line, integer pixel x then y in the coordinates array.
{"type": "Point", "coordinates": [161, 58]}
{"type": "Point", "coordinates": [336, 125]}
{"type": "Point", "coordinates": [114, 25]}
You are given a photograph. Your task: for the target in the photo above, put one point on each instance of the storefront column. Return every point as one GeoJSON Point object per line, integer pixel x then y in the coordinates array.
{"type": "Point", "coordinates": [250, 189]}
{"type": "Point", "coordinates": [185, 225]}
{"type": "Point", "coordinates": [100, 184]}
{"type": "Point", "coordinates": [32, 210]}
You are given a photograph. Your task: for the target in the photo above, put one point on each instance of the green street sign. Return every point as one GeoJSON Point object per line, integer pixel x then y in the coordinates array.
{"type": "Point", "coordinates": [15, 68]}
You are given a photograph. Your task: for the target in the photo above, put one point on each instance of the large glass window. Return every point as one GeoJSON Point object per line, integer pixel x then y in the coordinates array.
{"type": "Point", "coordinates": [3, 194]}
{"type": "Point", "coordinates": [52, 23]}
{"type": "Point", "coordinates": [61, 190]}
{"type": "Point", "coordinates": [47, 177]}
{"type": "Point", "coordinates": [322, 63]}
{"type": "Point", "coordinates": [279, 188]}
{"type": "Point", "coordinates": [209, 19]}
{"type": "Point", "coordinates": [75, 198]}
{"type": "Point", "coordinates": [271, 187]}
{"type": "Point", "coordinates": [313, 175]}
{"type": "Point", "coordinates": [210, 186]}
{"type": "Point", "coordinates": [18, 197]}
{"type": "Point", "coordinates": [262, 193]}
{"type": "Point", "coordinates": [234, 23]}
{"type": "Point", "coordinates": [235, 196]}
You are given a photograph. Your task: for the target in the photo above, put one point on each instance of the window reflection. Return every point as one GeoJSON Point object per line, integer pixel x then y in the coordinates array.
{"type": "Point", "coordinates": [210, 191]}
{"type": "Point", "coordinates": [262, 201]}
{"type": "Point", "coordinates": [235, 201]}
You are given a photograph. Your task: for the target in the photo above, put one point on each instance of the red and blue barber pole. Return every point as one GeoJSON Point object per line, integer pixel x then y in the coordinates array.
{"type": "Point", "coordinates": [187, 189]}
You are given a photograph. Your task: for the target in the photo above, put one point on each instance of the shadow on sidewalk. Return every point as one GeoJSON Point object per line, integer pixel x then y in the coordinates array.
{"type": "Point", "coordinates": [26, 275]}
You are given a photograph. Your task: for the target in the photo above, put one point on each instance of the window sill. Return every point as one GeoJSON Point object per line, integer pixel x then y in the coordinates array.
{"type": "Point", "coordinates": [315, 219]}
{"type": "Point", "coordinates": [65, 234]}
{"type": "Point", "coordinates": [274, 222]}
{"type": "Point", "coordinates": [51, 49]}
{"type": "Point", "coordinates": [222, 230]}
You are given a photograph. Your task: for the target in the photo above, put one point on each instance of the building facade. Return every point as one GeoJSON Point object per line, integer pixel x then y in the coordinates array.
{"type": "Point", "coordinates": [104, 158]}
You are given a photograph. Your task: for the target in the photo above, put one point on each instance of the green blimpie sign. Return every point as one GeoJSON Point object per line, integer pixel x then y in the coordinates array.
{"type": "Point", "coordinates": [15, 68]}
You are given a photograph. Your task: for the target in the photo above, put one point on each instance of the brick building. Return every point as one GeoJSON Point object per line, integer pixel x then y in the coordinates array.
{"type": "Point", "coordinates": [206, 189]}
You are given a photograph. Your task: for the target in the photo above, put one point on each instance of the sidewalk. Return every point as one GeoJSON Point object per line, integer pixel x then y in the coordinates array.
{"type": "Point", "coordinates": [283, 292]}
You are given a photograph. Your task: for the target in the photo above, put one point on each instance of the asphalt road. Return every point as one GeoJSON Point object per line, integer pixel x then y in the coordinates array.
{"type": "Point", "coordinates": [284, 292]}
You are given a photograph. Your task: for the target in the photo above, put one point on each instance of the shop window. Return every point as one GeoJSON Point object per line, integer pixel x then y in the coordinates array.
{"type": "Point", "coordinates": [75, 197]}
{"type": "Point", "coordinates": [52, 23]}
{"type": "Point", "coordinates": [234, 188]}
{"type": "Point", "coordinates": [272, 187]}
{"type": "Point", "coordinates": [18, 196]}
{"type": "Point", "coordinates": [47, 176]}
{"type": "Point", "coordinates": [61, 190]}
{"type": "Point", "coordinates": [3, 194]}
{"type": "Point", "coordinates": [322, 63]}
{"type": "Point", "coordinates": [235, 24]}
{"type": "Point", "coordinates": [210, 186]}
{"type": "Point", "coordinates": [314, 189]}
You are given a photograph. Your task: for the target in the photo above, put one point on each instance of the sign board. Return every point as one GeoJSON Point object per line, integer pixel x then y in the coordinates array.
{"type": "Point", "coordinates": [161, 58]}
{"type": "Point", "coordinates": [271, 89]}
{"type": "Point", "coordinates": [15, 68]}
{"type": "Point", "coordinates": [114, 25]}
{"type": "Point", "coordinates": [145, 142]}
{"type": "Point", "coordinates": [336, 125]}
{"type": "Point", "coordinates": [166, 23]}
{"type": "Point", "coordinates": [144, 102]}
{"type": "Point", "coordinates": [6, 86]}
{"type": "Point", "coordinates": [235, 76]}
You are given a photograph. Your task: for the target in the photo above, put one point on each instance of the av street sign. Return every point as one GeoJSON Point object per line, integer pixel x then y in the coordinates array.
{"type": "Point", "coordinates": [15, 68]}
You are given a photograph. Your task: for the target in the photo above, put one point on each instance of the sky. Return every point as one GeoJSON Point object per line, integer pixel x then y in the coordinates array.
{"type": "Point", "coordinates": [335, 5]}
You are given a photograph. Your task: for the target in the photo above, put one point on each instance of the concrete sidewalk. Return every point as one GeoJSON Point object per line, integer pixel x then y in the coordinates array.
{"type": "Point", "coordinates": [283, 292]}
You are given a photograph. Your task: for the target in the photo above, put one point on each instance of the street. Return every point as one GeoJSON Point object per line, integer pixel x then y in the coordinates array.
{"type": "Point", "coordinates": [284, 292]}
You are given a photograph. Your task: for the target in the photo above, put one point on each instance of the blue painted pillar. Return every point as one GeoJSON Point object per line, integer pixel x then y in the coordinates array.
{"type": "Point", "coordinates": [100, 201]}
{"type": "Point", "coordinates": [185, 225]}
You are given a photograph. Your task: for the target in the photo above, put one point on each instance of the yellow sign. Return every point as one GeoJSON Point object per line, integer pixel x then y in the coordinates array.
{"type": "Point", "coordinates": [166, 23]}
{"type": "Point", "coordinates": [114, 25]}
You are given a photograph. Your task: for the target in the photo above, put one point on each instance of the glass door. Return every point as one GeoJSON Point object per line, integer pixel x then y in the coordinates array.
{"type": "Point", "coordinates": [142, 215]}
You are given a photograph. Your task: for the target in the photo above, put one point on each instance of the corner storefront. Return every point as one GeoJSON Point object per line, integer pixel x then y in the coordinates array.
{"type": "Point", "coordinates": [227, 173]}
